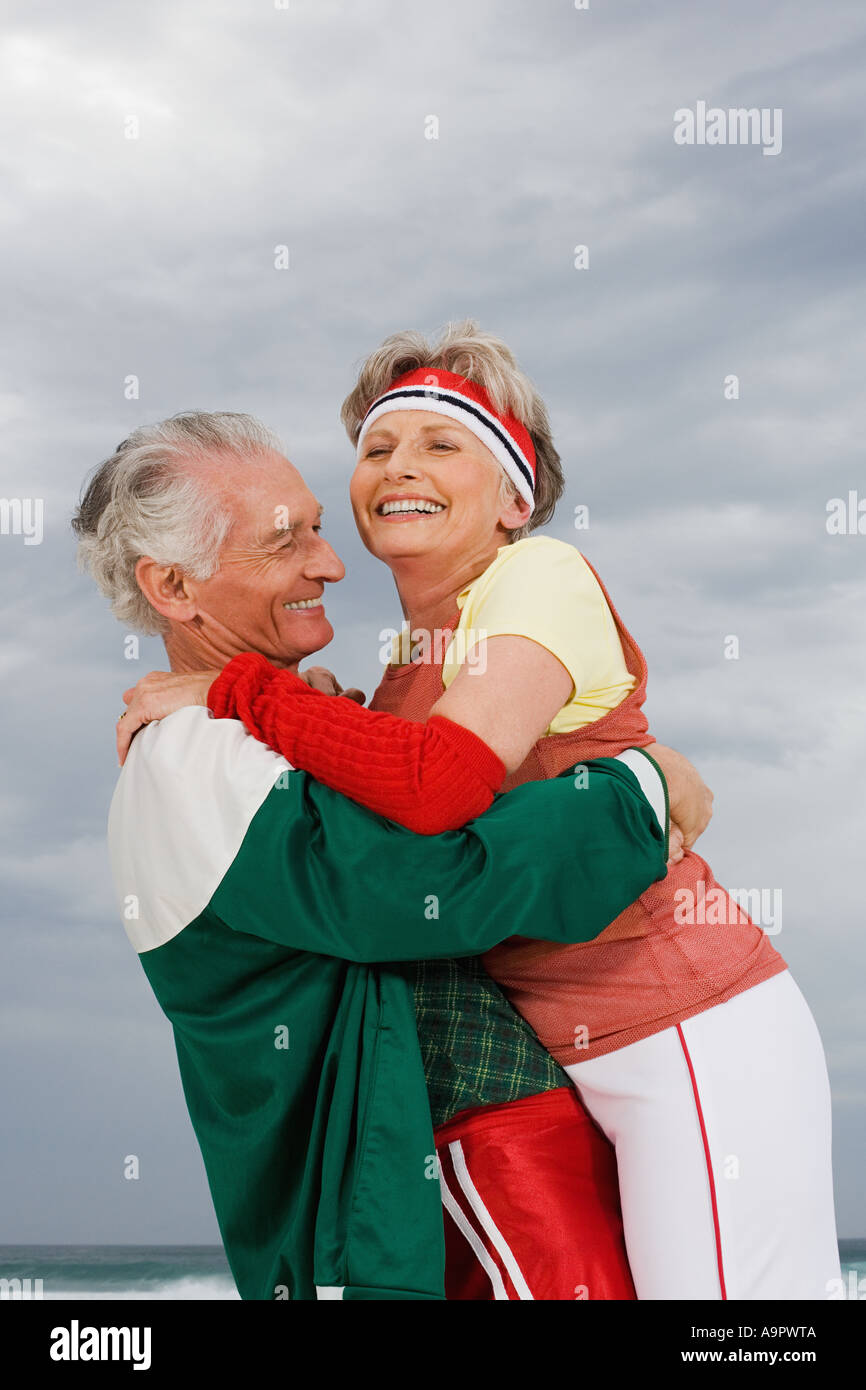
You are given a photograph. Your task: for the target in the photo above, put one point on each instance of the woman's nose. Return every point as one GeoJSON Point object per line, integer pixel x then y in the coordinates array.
{"type": "Point", "coordinates": [401, 464]}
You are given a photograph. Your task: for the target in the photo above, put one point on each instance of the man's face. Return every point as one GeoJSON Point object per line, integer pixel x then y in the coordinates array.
{"type": "Point", "coordinates": [266, 595]}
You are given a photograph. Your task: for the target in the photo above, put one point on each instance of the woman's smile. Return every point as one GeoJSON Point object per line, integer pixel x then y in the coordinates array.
{"type": "Point", "coordinates": [397, 507]}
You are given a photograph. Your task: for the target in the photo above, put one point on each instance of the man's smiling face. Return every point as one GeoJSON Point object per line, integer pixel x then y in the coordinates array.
{"type": "Point", "coordinates": [267, 595]}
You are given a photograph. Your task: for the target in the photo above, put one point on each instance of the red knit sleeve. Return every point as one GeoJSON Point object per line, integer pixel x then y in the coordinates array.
{"type": "Point", "coordinates": [429, 777]}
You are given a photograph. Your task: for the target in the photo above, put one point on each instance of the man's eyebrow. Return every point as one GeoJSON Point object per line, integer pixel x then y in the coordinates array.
{"type": "Point", "coordinates": [279, 532]}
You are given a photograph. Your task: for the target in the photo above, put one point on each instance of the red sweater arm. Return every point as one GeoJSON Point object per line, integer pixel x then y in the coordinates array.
{"type": "Point", "coordinates": [429, 777]}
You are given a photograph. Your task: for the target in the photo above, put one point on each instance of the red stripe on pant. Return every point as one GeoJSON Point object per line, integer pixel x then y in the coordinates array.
{"type": "Point", "coordinates": [531, 1203]}
{"type": "Point", "coordinates": [711, 1182]}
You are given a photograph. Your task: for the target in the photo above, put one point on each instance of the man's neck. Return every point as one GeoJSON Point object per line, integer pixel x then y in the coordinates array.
{"type": "Point", "coordinates": [188, 649]}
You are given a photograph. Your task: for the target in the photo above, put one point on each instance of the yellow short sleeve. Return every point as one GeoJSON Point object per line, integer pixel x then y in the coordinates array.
{"type": "Point", "coordinates": [542, 589]}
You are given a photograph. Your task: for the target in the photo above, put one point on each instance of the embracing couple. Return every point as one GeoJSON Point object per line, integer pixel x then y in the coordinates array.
{"type": "Point", "coordinates": [441, 1026]}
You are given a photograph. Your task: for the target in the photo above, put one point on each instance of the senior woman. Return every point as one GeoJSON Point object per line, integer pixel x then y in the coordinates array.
{"type": "Point", "coordinates": [683, 1031]}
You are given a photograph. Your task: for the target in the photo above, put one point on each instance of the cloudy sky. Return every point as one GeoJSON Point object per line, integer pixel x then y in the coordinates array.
{"type": "Point", "coordinates": [153, 257]}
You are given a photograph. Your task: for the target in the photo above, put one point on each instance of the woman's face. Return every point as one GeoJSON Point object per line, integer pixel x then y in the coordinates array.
{"type": "Point", "coordinates": [424, 485]}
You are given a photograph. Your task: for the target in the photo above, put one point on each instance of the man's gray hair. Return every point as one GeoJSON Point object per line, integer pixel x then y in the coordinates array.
{"type": "Point", "coordinates": [146, 500]}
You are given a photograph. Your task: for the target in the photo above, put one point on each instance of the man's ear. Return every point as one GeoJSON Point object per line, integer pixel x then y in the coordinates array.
{"type": "Point", "coordinates": [166, 589]}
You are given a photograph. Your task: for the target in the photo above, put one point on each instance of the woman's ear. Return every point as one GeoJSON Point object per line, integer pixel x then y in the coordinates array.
{"type": "Point", "coordinates": [166, 589]}
{"type": "Point", "coordinates": [514, 513]}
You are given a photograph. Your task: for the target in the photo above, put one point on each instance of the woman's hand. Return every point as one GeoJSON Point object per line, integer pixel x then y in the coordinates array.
{"type": "Point", "coordinates": [160, 693]}
{"type": "Point", "coordinates": [156, 695]}
{"type": "Point", "coordinates": [320, 678]}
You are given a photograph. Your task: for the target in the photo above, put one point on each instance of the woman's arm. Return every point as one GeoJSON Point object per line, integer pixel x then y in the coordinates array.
{"type": "Point", "coordinates": [508, 696]}
{"type": "Point", "coordinates": [429, 777]}
{"type": "Point", "coordinates": [541, 631]}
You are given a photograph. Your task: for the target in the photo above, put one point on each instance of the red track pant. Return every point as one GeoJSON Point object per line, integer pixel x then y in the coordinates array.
{"type": "Point", "coordinates": [531, 1203]}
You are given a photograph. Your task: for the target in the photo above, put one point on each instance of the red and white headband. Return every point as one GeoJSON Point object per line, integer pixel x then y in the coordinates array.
{"type": "Point", "coordinates": [446, 393]}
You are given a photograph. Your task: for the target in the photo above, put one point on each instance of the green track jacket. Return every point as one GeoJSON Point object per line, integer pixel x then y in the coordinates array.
{"type": "Point", "coordinates": [270, 915]}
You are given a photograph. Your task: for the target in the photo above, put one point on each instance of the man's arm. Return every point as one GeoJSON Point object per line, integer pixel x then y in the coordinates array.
{"type": "Point", "coordinates": [439, 774]}
{"type": "Point", "coordinates": [557, 860]}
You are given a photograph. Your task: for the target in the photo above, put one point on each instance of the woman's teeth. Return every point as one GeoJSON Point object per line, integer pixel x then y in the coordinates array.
{"type": "Point", "coordinates": [414, 505]}
{"type": "Point", "coordinates": [305, 603]}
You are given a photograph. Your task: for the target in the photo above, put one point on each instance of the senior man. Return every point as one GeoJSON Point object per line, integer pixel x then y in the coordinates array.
{"type": "Point", "coordinates": [270, 914]}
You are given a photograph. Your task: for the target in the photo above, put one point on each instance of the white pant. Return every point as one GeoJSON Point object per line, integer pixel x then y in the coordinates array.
{"type": "Point", "coordinates": [722, 1131]}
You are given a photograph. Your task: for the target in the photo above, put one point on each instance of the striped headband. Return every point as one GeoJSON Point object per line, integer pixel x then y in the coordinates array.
{"type": "Point", "coordinates": [446, 393]}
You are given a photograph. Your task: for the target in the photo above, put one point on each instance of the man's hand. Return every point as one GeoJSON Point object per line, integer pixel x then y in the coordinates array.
{"type": "Point", "coordinates": [675, 845]}
{"type": "Point", "coordinates": [320, 678]}
{"type": "Point", "coordinates": [691, 801]}
{"type": "Point", "coordinates": [156, 695]}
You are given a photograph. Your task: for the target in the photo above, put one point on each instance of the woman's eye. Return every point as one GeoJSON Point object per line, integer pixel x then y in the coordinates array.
{"type": "Point", "coordinates": [442, 444]}
{"type": "Point", "coordinates": [374, 453]}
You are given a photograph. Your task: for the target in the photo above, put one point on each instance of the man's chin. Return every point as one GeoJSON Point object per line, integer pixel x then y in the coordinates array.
{"type": "Point", "coordinates": [298, 644]}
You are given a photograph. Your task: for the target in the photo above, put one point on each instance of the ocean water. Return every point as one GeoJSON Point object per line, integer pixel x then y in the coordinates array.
{"type": "Point", "coordinates": [118, 1271]}
{"type": "Point", "coordinates": [852, 1254]}
{"type": "Point", "coordinates": [192, 1271]}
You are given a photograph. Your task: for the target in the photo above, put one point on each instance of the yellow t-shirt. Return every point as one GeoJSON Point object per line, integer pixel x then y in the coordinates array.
{"type": "Point", "coordinates": [543, 589]}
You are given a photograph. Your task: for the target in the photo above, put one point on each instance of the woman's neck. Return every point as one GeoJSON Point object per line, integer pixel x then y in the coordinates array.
{"type": "Point", "coordinates": [429, 600]}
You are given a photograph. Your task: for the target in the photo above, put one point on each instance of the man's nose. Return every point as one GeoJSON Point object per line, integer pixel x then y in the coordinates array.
{"type": "Point", "coordinates": [325, 563]}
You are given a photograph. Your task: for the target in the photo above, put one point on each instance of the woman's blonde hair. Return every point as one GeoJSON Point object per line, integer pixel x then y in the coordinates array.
{"type": "Point", "coordinates": [486, 360]}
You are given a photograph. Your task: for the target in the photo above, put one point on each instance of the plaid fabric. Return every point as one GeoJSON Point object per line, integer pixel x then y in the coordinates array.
{"type": "Point", "coordinates": [477, 1050]}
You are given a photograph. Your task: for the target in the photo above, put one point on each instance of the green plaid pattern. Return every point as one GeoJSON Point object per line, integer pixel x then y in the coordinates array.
{"type": "Point", "coordinates": [477, 1050]}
